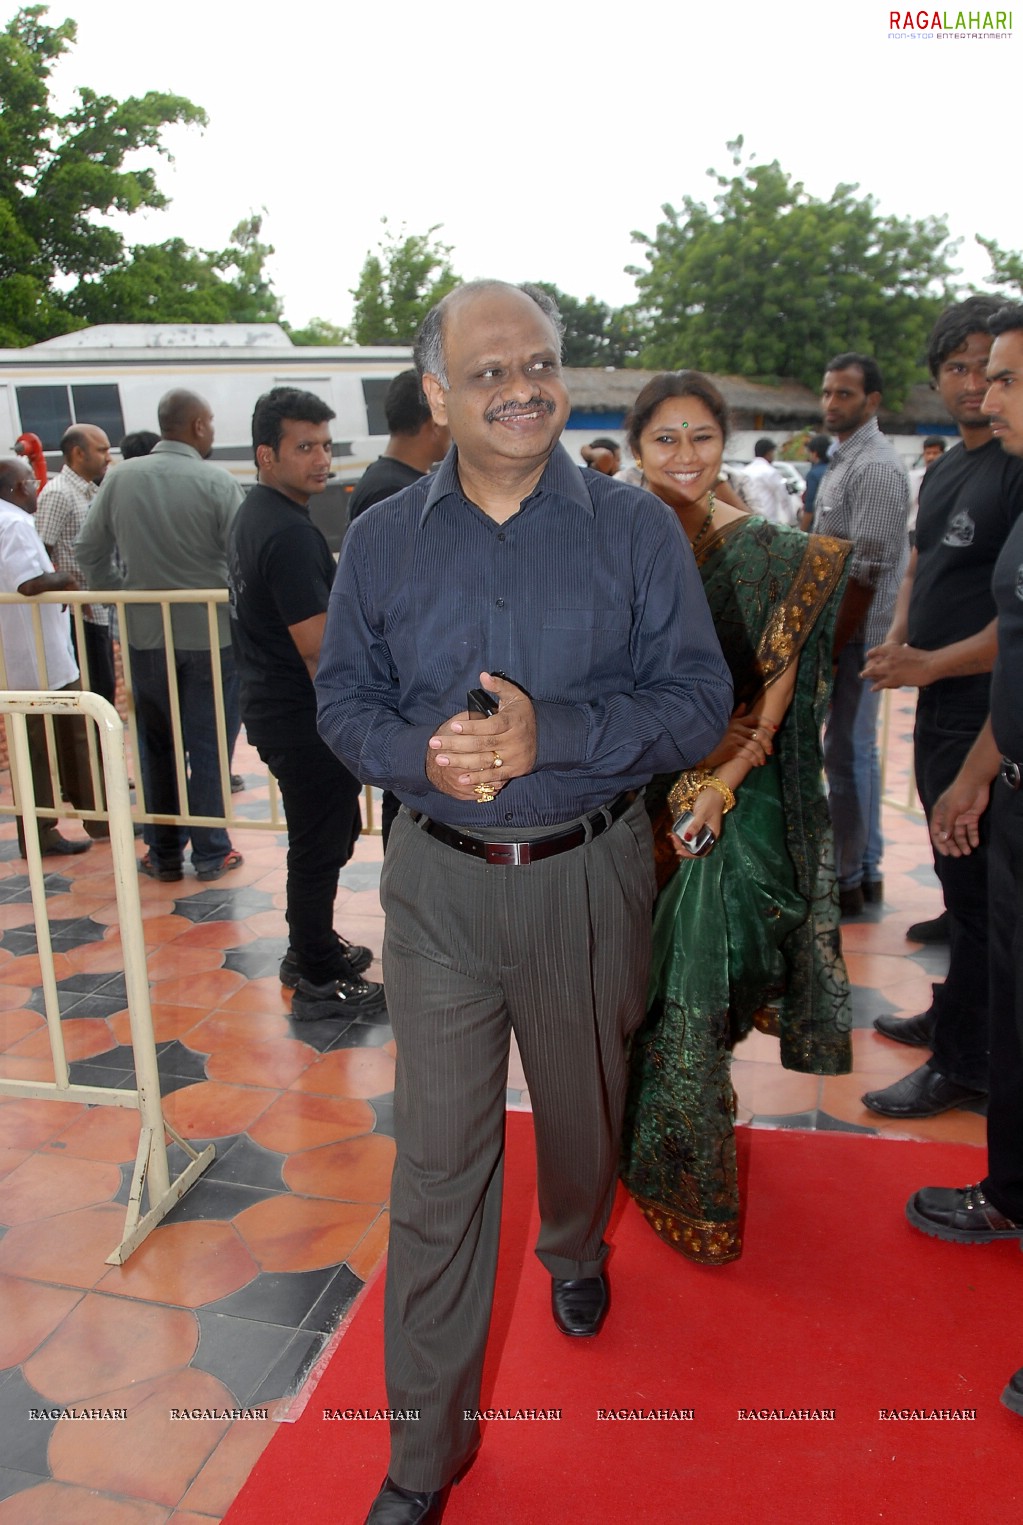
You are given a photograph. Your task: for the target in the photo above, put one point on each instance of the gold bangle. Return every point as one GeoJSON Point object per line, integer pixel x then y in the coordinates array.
{"type": "Point", "coordinates": [713, 782]}
{"type": "Point", "coordinates": [688, 786]}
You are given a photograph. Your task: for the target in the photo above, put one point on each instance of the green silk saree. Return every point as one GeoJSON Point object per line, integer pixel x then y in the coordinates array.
{"type": "Point", "coordinates": [748, 935]}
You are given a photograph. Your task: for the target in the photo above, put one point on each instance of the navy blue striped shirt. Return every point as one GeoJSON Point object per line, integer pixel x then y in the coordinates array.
{"type": "Point", "coordinates": [588, 598]}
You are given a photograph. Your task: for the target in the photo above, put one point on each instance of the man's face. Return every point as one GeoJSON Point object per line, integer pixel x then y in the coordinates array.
{"type": "Point", "coordinates": [1003, 401]}
{"type": "Point", "coordinates": [202, 432]}
{"type": "Point", "coordinates": [845, 403]}
{"type": "Point", "coordinates": [505, 401]}
{"type": "Point", "coordinates": [301, 465]}
{"type": "Point", "coordinates": [962, 381]}
{"type": "Point", "coordinates": [25, 491]}
{"type": "Point", "coordinates": [931, 454]}
{"type": "Point", "coordinates": [90, 462]}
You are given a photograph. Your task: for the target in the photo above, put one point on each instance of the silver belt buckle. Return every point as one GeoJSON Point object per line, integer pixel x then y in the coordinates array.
{"type": "Point", "coordinates": [507, 854]}
{"type": "Point", "coordinates": [1010, 773]}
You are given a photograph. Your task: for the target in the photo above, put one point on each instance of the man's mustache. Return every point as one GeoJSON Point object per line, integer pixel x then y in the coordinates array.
{"type": "Point", "coordinates": [514, 409]}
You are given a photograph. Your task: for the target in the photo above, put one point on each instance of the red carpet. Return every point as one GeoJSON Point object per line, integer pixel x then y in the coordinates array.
{"type": "Point", "coordinates": [836, 1304]}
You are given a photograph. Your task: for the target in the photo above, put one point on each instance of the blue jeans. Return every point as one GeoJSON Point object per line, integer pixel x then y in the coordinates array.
{"type": "Point", "coordinates": [210, 844]}
{"type": "Point", "coordinates": [852, 763]}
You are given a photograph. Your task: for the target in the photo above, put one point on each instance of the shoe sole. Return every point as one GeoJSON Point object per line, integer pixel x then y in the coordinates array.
{"type": "Point", "coordinates": [162, 875]}
{"type": "Point", "coordinates": [957, 1235]}
{"type": "Point", "coordinates": [903, 1116]}
{"type": "Point", "coordinates": [325, 1011]}
{"type": "Point", "coordinates": [210, 874]}
{"type": "Point", "coordinates": [289, 978]}
{"type": "Point", "coordinates": [900, 1038]}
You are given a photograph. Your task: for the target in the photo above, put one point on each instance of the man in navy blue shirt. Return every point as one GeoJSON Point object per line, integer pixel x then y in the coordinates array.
{"type": "Point", "coordinates": [518, 879]}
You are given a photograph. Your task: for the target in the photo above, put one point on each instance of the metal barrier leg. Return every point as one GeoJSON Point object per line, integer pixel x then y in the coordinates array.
{"type": "Point", "coordinates": [151, 1165]}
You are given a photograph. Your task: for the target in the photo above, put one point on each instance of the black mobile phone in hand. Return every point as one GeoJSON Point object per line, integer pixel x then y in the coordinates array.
{"type": "Point", "coordinates": [480, 701]}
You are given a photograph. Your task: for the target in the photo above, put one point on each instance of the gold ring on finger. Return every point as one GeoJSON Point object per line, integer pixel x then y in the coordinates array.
{"type": "Point", "coordinates": [498, 760]}
{"type": "Point", "coordinates": [485, 793]}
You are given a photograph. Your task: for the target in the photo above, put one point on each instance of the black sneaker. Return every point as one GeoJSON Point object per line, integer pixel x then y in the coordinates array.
{"type": "Point", "coordinates": [351, 961]}
{"type": "Point", "coordinates": [338, 998]}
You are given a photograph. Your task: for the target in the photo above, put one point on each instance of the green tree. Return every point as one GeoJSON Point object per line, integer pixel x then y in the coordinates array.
{"type": "Point", "coordinates": [1006, 268]}
{"type": "Point", "coordinates": [398, 286]}
{"type": "Point", "coordinates": [595, 333]}
{"type": "Point", "coordinates": [173, 283]}
{"type": "Point", "coordinates": [60, 265]}
{"type": "Point", "coordinates": [769, 282]}
{"type": "Point", "coordinates": [319, 331]}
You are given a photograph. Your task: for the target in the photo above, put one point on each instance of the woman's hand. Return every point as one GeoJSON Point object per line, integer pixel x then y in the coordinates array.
{"type": "Point", "coordinates": [709, 810]}
{"type": "Point", "coordinates": [749, 739]}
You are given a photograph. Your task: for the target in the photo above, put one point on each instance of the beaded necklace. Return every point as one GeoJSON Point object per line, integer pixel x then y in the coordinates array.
{"type": "Point", "coordinates": [705, 526]}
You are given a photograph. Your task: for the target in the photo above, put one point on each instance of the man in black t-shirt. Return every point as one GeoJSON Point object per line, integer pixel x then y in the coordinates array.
{"type": "Point", "coordinates": [281, 571]}
{"type": "Point", "coordinates": [943, 640]}
{"type": "Point", "coordinates": [993, 772]}
{"type": "Point", "coordinates": [416, 444]}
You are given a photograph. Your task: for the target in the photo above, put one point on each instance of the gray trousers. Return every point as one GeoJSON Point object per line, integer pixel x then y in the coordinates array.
{"type": "Point", "coordinates": [558, 953]}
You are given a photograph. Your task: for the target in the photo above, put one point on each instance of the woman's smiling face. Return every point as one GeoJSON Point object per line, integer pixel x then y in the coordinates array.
{"type": "Point", "coordinates": [681, 449]}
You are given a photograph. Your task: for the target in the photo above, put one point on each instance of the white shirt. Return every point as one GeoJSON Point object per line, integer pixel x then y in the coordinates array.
{"type": "Point", "coordinates": [767, 495]}
{"type": "Point", "coordinates": [23, 557]}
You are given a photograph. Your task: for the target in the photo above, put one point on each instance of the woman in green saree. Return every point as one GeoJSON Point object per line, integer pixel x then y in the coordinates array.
{"type": "Point", "coordinates": [747, 935]}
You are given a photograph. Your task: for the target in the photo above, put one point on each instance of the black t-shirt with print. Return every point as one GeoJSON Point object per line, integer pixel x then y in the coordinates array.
{"type": "Point", "coordinates": [280, 571]}
{"type": "Point", "coordinates": [1007, 680]}
{"type": "Point", "coordinates": [969, 501]}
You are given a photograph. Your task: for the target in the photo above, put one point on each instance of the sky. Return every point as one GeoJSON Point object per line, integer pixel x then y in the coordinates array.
{"type": "Point", "coordinates": [539, 139]}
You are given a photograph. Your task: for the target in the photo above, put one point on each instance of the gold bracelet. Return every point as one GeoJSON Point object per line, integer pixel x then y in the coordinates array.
{"type": "Point", "coordinates": [688, 786]}
{"type": "Point", "coordinates": [713, 782]}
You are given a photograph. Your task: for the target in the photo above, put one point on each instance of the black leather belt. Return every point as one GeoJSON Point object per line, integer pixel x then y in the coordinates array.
{"type": "Point", "coordinates": [519, 854]}
{"type": "Point", "coordinates": [1011, 774]}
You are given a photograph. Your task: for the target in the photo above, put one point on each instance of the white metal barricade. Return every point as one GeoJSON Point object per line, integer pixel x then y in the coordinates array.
{"type": "Point", "coordinates": [151, 1166]}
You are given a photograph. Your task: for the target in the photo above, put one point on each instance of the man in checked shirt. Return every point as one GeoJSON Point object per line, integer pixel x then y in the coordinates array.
{"type": "Point", "coordinates": [864, 497]}
{"type": "Point", "coordinates": [63, 505]}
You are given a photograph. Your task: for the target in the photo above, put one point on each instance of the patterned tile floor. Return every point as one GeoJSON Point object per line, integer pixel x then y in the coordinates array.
{"type": "Point", "coordinates": [231, 1301]}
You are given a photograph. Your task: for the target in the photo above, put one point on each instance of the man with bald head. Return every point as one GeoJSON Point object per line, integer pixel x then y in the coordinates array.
{"type": "Point", "coordinates": [162, 521]}
{"type": "Point", "coordinates": [518, 878]}
{"type": "Point", "coordinates": [63, 505]}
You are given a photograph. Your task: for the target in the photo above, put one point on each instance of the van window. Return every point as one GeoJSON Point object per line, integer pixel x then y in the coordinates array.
{"type": "Point", "coordinates": [48, 411]}
{"type": "Point", "coordinates": [100, 404]}
{"type": "Point", "coordinates": [44, 411]}
{"type": "Point", "coordinates": [374, 390]}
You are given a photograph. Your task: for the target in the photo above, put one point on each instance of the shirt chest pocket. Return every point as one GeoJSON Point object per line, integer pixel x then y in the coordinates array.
{"type": "Point", "coordinates": [588, 646]}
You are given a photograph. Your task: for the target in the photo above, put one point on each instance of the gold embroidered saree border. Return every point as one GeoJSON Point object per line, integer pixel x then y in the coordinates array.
{"type": "Point", "coordinates": [709, 1244]}
{"type": "Point", "coordinates": [788, 629]}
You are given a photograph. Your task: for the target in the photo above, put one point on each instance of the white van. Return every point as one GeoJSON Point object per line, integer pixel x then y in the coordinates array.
{"type": "Point", "coordinates": [114, 376]}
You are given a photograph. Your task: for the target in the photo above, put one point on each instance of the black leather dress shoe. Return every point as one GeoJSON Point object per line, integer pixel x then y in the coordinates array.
{"type": "Point", "coordinates": [1013, 1395]}
{"type": "Point", "coordinates": [579, 1307]}
{"type": "Point", "coordinates": [924, 1093]}
{"type": "Point", "coordinates": [400, 1506]}
{"type": "Point", "coordinates": [851, 902]}
{"type": "Point", "coordinates": [933, 931]}
{"type": "Point", "coordinates": [873, 891]}
{"type": "Point", "coordinates": [960, 1214]}
{"type": "Point", "coordinates": [917, 1031]}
